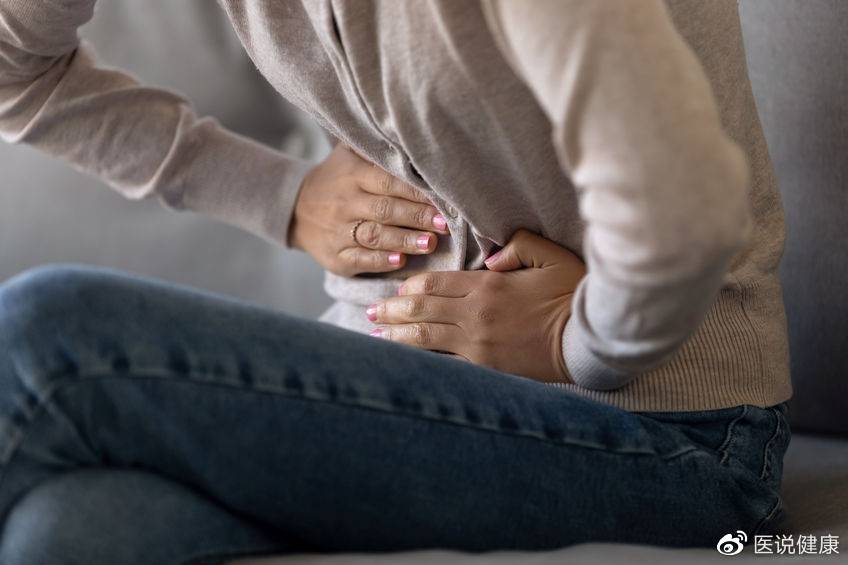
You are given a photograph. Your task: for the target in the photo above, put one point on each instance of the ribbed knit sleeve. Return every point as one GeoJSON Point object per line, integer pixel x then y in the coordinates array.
{"type": "Point", "coordinates": [144, 142]}
{"type": "Point", "coordinates": [662, 188]}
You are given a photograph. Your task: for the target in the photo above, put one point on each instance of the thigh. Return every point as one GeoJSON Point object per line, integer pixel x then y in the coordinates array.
{"type": "Point", "coordinates": [100, 516]}
{"type": "Point", "coordinates": [337, 439]}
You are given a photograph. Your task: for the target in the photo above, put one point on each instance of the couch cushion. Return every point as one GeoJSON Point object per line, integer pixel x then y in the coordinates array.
{"type": "Point", "coordinates": [815, 486]}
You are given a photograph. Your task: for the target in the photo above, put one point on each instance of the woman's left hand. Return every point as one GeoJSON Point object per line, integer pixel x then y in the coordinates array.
{"type": "Point", "coordinates": [509, 318]}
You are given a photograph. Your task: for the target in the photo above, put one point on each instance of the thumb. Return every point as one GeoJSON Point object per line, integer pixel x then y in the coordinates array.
{"type": "Point", "coordinates": [524, 249]}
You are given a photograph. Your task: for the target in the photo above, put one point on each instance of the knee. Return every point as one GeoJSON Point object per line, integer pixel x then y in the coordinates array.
{"type": "Point", "coordinates": [54, 523]}
{"type": "Point", "coordinates": [29, 532]}
{"type": "Point", "coordinates": [98, 515]}
{"type": "Point", "coordinates": [42, 311]}
{"type": "Point", "coordinates": [27, 298]}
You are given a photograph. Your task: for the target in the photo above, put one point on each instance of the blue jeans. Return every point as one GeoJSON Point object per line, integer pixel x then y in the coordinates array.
{"type": "Point", "coordinates": [142, 422]}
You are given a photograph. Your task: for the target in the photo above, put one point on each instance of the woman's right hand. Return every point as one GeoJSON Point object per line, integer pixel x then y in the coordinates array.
{"type": "Point", "coordinates": [343, 189]}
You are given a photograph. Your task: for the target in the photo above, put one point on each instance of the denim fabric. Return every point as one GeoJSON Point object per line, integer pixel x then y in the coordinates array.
{"type": "Point", "coordinates": [142, 422]}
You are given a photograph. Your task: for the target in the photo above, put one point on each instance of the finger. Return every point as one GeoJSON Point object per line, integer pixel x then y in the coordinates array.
{"type": "Point", "coordinates": [424, 335]}
{"type": "Point", "coordinates": [415, 308]}
{"type": "Point", "coordinates": [375, 180]}
{"type": "Point", "coordinates": [393, 211]}
{"type": "Point", "coordinates": [373, 235]}
{"type": "Point", "coordinates": [527, 249]}
{"type": "Point", "coordinates": [450, 284]}
{"type": "Point", "coordinates": [360, 260]}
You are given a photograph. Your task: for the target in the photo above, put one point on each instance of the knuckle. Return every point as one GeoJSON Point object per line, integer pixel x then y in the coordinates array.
{"type": "Point", "coordinates": [382, 209]}
{"type": "Point", "coordinates": [421, 334]}
{"type": "Point", "coordinates": [493, 284]}
{"type": "Point", "coordinates": [420, 216]}
{"type": "Point", "coordinates": [484, 314]}
{"type": "Point", "coordinates": [406, 190]}
{"type": "Point", "coordinates": [372, 234]}
{"type": "Point", "coordinates": [430, 283]}
{"type": "Point", "coordinates": [414, 306]}
{"type": "Point", "coordinates": [384, 184]}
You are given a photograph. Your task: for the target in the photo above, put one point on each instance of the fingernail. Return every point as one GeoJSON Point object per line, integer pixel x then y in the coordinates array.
{"type": "Point", "coordinates": [401, 290]}
{"type": "Point", "coordinates": [371, 312]}
{"type": "Point", "coordinates": [423, 241]}
{"type": "Point", "coordinates": [394, 258]}
{"type": "Point", "coordinates": [377, 332]}
{"type": "Point", "coordinates": [440, 222]}
{"type": "Point", "coordinates": [493, 257]}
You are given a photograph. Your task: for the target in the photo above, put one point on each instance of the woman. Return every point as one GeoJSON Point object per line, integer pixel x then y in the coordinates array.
{"type": "Point", "coordinates": [516, 398]}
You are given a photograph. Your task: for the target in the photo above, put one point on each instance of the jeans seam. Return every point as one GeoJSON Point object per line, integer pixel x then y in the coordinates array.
{"type": "Point", "coordinates": [724, 448]}
{"type": "Point", "coordinates": [765, 473]}
{"type": "Point", "coordinates": [49, 393]}
{"type": "Point", "coordinates": [78, 378]}
{"type": "Point", "coordinates": [770, 516]}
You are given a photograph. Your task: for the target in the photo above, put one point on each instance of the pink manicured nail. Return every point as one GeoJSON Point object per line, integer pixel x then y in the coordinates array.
{"type": "Point", "coordinates": [440, 222]}
{"type": "Point", "coordinates": [492, 257]}
{"type": "Point", "coordinates": [401, 290]}
{"type": "Point", "coordinates": [377, 332]}
{"type": "Point", "coordinates": [394, 258]}
{"type": "Point", "coordinates": [423, 241]}
{"type": "Point", "coordinates": [371, 312]}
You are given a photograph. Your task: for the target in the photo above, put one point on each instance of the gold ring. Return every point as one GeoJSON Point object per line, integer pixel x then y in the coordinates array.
{"type": "Point", "coordinates": [353, 230]}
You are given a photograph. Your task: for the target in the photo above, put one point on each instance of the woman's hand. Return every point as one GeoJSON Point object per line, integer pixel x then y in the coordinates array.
{"type": "Point", "coordinates": [510, 317]}
{"type": "Point", "coordinates": [343, 189]}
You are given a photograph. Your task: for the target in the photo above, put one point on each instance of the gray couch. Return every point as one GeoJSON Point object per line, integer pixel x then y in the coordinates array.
{"type": "Point", "coordinates": [796, 54]}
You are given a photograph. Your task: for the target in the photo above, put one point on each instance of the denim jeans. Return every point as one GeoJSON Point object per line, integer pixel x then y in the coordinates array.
{"type": "Point", "coordinates": [143, 422]}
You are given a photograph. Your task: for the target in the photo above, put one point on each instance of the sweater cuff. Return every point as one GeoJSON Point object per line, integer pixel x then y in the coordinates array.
{"type": "Point", "coordinates": [586, 369]}
{"type": "Point", "coordinates": [243, 183]}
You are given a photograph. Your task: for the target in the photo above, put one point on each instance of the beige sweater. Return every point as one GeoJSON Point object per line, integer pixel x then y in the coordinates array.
{"type": "Point", "coordinates": [619, 130]}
